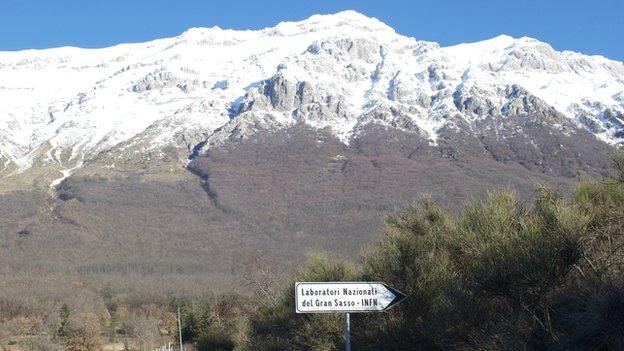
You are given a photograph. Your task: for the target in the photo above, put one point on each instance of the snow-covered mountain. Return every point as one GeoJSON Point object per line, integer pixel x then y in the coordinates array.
{"type": "Point", "coordinates": [64, 108]}
{"type": "Point", "coordinates": [172, 162]}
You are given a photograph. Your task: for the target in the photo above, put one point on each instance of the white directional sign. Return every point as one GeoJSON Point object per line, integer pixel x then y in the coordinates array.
{"type": "Point", "coordinates": [337, 297]}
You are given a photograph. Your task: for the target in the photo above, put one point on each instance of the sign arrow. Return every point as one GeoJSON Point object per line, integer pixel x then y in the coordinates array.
{"type": "Point", "coordinates": [398, 296]}
{"type": "Point", "coordinates": [344, 297]}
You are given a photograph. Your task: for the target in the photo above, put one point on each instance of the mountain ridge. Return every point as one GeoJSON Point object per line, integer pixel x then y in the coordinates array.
{"type": "Point", "coordinates": [346, 70]}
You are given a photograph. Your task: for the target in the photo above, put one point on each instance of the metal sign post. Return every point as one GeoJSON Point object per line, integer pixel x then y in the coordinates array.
{"type": "Point", "coordinates": [180, 329]}
{"type": "Point", "coordinates": [345, 297]}
{"type": "Point", "coordinates": [347, 331]}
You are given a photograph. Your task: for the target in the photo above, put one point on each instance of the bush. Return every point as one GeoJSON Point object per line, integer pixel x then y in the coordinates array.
{"type": "Point", "coordinates": [215, 340]}
{"type": "Point", "coordinates": [83, 334]}
{"type": "Point", "coordinates": [215, 323]}
{"type": "Point", "coordinates": [278, 327]}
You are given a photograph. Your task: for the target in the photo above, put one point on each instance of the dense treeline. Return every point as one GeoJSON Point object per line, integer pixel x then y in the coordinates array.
{"type": "Point", "coordinates": [500, 274]}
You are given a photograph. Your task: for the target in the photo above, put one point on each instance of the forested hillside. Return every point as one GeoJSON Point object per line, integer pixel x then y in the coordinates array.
{"type": "Point", "coordinates": [498, 274]}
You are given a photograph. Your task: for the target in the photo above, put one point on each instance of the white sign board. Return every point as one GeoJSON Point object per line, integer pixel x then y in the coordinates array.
{"type": "Point", "coordinates": [342, 297]}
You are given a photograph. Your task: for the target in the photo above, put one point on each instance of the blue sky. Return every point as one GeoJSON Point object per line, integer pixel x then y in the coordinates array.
{"type": "Point", "coordinates": [592, 27]}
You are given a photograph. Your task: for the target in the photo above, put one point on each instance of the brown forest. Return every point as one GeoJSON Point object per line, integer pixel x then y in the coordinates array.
{"type": "Point", "coordinates": [498, 274]}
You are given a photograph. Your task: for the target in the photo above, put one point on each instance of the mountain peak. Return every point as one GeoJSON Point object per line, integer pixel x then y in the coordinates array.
{"type": "Point", "coordinates": [346, 15]}
{"type": "Point", "coordinates": [343, 23]}
{"type": "Point", "coordinates": [200, 31]}
{"type": "Point", "coordinates": [349, 20]}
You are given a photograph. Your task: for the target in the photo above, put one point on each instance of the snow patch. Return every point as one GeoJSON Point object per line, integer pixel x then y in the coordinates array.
{"type": "Point", "coordinates": [66, 173]}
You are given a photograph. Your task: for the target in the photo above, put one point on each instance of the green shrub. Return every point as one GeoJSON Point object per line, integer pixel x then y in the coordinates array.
{"type": "Point", "coordinates": [215, 323]}
{"type": "Point", "coordinates": [215, 340]}
{"type": "Point", "coordinates": [278, 327]}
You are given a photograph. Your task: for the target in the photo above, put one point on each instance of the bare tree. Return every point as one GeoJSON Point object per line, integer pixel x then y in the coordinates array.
{"type": "Point", "coordinates": [262, 274]}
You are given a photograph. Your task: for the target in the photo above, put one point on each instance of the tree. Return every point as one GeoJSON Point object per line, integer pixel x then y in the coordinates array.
{"type": "Point", "coordinates": [82, 333]}
{"type": "Point", "coordinates": [4, 340]}
{"type": "Point", "coordinates": [64, 314]}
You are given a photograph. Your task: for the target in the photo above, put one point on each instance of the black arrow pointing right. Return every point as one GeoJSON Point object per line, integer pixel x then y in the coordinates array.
{"type": "Point", "coordinates": [398, 296]}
